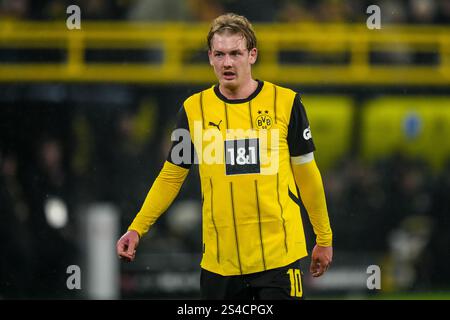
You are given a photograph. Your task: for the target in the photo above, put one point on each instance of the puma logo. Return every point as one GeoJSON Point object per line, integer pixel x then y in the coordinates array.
{"type": "Point", "coordinates": [215, 125]}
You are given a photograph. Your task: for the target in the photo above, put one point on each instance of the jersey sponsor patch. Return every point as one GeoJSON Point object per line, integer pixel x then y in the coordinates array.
{"type": "Point", "coordinates": [242, 156]}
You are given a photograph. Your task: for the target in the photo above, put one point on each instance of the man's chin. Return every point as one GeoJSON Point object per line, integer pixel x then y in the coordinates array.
{"type": "Point", "coordinates": [231, 84]}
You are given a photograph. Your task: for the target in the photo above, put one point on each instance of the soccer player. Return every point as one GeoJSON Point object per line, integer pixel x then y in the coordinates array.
{"type": "Point", "coordinates": [254, 147]}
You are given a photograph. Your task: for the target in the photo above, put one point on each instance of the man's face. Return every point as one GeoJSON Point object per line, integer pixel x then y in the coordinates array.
{"type": "Point", "coordinates": [231, 59]}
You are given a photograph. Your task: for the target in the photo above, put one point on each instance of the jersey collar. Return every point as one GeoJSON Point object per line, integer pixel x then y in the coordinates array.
{"type": "Point", "coordinates": [235, 101]}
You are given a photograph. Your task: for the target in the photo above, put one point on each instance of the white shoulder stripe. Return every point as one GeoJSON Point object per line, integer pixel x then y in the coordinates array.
{"type": "Point", "coordinates": [303, 159]}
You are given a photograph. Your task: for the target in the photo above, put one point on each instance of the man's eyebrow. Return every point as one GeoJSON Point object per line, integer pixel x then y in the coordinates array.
{"type": "Point", "coordinates": [231, 51]}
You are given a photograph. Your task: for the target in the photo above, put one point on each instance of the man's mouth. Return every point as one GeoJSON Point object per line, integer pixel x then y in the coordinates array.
{"type": "Point", "coordinates": [229, 75]}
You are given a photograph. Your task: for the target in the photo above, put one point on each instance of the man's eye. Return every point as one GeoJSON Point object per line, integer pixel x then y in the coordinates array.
{"type": "Point", "coordinates": [218, 54]}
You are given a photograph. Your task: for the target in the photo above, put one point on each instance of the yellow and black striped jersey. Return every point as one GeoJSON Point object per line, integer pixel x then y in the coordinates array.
{"type": "Point", "coordinates": [250, 205]}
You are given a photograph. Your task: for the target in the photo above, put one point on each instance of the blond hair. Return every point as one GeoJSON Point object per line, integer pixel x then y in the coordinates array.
{"type": "Point", "coordinates": [235, 24]}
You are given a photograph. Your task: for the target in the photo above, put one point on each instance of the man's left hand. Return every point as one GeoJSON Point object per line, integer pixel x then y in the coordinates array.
{"type": "Point", "coordinates": [320, 260]}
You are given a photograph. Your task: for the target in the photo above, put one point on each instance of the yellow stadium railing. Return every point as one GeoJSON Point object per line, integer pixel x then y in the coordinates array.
{"type": "Point", "coordinates": [349, 47]}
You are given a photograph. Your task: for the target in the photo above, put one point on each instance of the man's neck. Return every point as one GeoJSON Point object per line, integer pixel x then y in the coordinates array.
{"type": "Point", "coordinates": [241, 92]}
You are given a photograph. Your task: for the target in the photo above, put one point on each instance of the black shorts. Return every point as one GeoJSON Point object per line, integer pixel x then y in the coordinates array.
{"type": "Point", "coordinates": [284, 283]}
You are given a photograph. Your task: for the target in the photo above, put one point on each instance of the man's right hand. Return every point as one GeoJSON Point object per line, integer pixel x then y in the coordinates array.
{"type": "Point", "coordinates": [127, 244]}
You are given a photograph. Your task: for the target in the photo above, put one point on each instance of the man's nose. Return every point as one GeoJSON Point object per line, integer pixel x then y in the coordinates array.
{"type": "Point", "coordinates": [227, 61]}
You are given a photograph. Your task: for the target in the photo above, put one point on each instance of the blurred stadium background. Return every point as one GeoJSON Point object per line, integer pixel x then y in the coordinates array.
{"type": "Point", "coordinates": [85, 119]}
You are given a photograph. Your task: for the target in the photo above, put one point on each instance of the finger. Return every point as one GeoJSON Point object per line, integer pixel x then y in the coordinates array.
{"type": "Point", "coordinates": [318, 273]}
{"type": "Point", "coordinates": [126, 257]}
{"type": "Point", "coordinates": [320, 270]}
{"type": "Point", "coordinates": [124, 254]}
{"type": "Point", "coordinates": [323, 268]}
{"type": "Point", "coordinates": [121, 246]}
{"type": "Point", "coordinates": [314, 265]}
{"type": "Point", "coordinates": [131, 250]}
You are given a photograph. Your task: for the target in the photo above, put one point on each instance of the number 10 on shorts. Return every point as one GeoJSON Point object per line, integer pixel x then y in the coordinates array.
{"type": "Point", "coordinates": [296, 282]}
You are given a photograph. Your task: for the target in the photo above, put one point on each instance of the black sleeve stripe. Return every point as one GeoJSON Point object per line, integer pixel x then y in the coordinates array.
{"type": "Point", "coordinates": [182, 123]}
{"type": "Point", "coordinates": [299, 137]}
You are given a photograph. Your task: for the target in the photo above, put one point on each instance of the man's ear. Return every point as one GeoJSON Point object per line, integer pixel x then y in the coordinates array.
{"type": "Point", "coordinates": [253, 55]}
{"type": "Point", "coordinates": [210, 57]}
